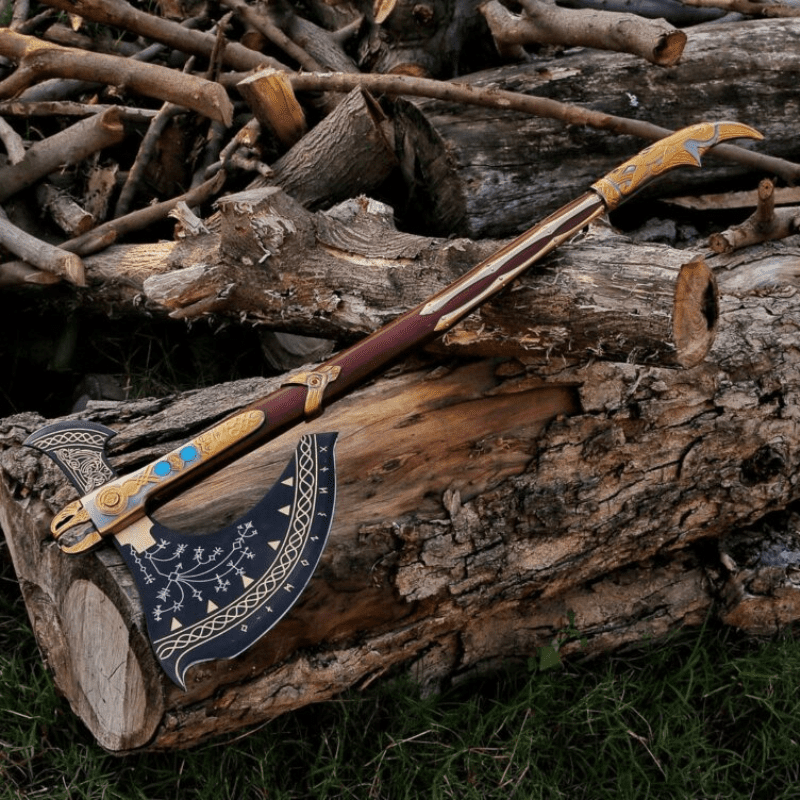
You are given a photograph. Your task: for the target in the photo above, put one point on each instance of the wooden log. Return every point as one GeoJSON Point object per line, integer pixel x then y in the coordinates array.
{"type": "Point", "coordinates": [351, 152]}
{"type": "Point", "coordinates": [599, 490]}
{"type": "Point", "coordinates": [484, 172]}
{"type": "Point", "coordinates": [546, 23]}
{"type": "Point", "coordinates": [271, 260]}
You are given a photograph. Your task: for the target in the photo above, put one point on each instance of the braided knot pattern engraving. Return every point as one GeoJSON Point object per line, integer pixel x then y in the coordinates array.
{"type": "Point", "coordinates": [682, 148]}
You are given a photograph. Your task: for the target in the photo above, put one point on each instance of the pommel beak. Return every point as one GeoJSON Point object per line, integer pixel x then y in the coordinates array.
{"type": "Point", "coordinates": [683, 148]}
{"type": "Point", "coordinates": [75, 520]}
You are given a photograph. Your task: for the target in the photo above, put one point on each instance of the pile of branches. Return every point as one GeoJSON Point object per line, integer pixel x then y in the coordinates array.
{"type": "Point", "coordinates": [114, 117]}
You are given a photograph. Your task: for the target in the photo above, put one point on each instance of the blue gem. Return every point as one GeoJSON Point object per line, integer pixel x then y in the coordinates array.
{"type": "Point", "coordinates": [162, 469]}
{"type": "Point", "coordinates": [189, 453]}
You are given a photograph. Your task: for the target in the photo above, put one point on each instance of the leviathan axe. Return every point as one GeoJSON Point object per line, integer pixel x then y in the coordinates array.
{"type": "Point", "coordinates": [213, 596]}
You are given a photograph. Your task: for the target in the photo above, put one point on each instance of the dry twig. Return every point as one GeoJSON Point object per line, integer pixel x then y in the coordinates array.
{"type": "Point", "coordinates": [763, 225]}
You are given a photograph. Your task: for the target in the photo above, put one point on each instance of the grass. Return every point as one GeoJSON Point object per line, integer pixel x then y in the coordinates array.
{"type": "Point", "coordinates": [704, 714]}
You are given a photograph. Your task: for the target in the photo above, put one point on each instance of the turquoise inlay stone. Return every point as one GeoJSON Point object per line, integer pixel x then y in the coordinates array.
{"type": "Point", "coordinates": [162, 469]}
{"type": "Point", "coordinates": [189, 453]}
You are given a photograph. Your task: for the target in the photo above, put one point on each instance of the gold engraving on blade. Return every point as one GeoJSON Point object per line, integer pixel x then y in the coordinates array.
{"type": "Point", "coordinates": [315, 381]}
{"type": "Point", "coordinates": [114, 498]}
{"type": "Point", "coordinates": [138, 535]}
{"type": "Point", "coordinates": [682, 148]}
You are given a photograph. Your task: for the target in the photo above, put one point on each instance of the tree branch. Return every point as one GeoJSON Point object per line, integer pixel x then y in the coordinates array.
{"type": "Point", "coordinates": [654, 40]}
{"type": "Point", "coordinates": [69, 146]}
{"type": "Point", "coordinates": [120, 14]}
{"type": "Point", "coordinates": [39, 60]}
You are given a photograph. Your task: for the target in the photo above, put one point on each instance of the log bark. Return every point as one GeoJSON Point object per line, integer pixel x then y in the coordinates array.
{"type": "Point", "coordinates": [474, 177]}
{"type": "Point", "coordinates": [351, 152]}
{"type": "Point", "coordinates": [479, 506]}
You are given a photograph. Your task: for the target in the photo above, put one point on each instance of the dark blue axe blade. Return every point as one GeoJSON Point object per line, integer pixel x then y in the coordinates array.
{"type": "Point", "coordinates": [212, 596]}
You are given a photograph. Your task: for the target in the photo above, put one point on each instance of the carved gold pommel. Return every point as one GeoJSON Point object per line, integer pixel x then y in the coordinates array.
{"type": "Point", "coordinates": [683, 148]}
{"type": "Point", "coordinates": [315, 381]}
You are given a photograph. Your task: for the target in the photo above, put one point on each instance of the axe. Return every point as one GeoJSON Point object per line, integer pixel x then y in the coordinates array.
{"type": "Point", "coordinates": [213, 596]}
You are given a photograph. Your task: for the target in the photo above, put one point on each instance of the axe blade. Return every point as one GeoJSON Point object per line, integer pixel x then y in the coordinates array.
{"type": "Point", "coordinates": [212, 596]}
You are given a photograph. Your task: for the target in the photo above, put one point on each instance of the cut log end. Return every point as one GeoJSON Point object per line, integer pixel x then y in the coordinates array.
{"type": "Point", "coordinates": [269, 93]}
{"type": "Point", "coordinates": [695, 316]}
{"type": "Point", "coordinates": [669, 49]}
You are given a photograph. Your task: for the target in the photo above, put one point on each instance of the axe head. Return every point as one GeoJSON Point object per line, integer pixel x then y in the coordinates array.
{"type": "Point", "coordinates": [212, 596]}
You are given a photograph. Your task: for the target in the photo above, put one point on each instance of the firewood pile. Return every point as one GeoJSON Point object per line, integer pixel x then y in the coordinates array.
{"type": "Point", "coordinates": [598, 444]}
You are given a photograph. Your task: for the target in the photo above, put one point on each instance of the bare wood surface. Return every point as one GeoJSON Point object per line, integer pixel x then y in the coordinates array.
{"type": "Point", "coordinates": [269, 94]}
{"type": "Point", "coordinates": [477, 507]}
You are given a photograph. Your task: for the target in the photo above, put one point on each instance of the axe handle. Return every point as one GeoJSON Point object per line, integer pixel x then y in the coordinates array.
{"type": "Point", "coordinates": [122, 501]}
